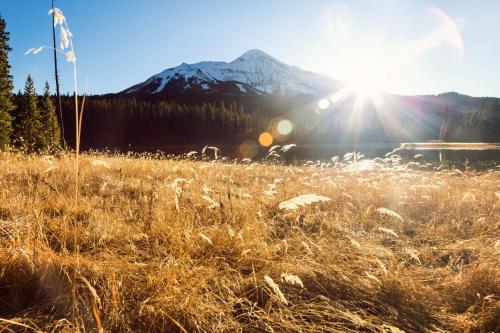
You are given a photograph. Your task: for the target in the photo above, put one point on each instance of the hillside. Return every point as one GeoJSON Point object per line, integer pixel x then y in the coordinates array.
{"type": "Point", "coordinates": [148, 123]}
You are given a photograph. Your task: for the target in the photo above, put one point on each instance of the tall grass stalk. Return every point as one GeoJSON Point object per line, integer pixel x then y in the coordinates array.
{"type": "Point", "coordinates": [78, 122]}
{"type": "Point", "coordinates": [56, 77]}
{"type": "Point", "coordinates": [67, 41]}
{"type": "Point", "coordinates": [67, 48]}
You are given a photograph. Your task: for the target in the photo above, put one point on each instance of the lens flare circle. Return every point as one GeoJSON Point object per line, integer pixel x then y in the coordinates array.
{"type": "Point", "coordinates": [324, 103]}
{"type": "Point", "coordinates": [265, 139]}
{"type": "Point", "coordinates": [284, 127]}
{"type": "Point", "coordinates": [448, 31]}
{"type": "Point", "coordinates": [248, 149]}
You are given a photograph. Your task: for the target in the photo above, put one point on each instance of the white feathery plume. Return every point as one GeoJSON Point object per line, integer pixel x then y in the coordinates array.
{"type": "Point", "coordinates": [70, 56]}
{"type": "Point", "coordinates": [286, 148]}
{"type": "Point", "coordinates": [373, 277]}
{"type": "Point", "coordinates": [291, 279]}
{"type": "Point", "coordinates": [273, 148]}
{"type": "Point", "coordinates": [207, 190]}
{"type": "Point", "coordinates": [276, 289]}
{"type": "Point", "coordinates": [177, 195]}
{"type": "Point", "coordinates": [355, 243]}
{"type": "Point", "coordinates": [270, 193]}
{"type": "Point", "coordinates": [58, 16]}
{"type": "Point", "coordinates": [50, 168]}
{"type": "Point", "coordinates": [389, 212]}
{"type": "Point", "coordinates": [215, 149]}
{"type": "Point", "coordinates": [382, 266]}
{"type": "Point", "coordinates": [230, 231]}
{"type": "Point", "coordinates": [388, 231]}
{"type": "Point", "coordinates": [205, 238]}
{"type": "Point", "coordinates": [211, 201]}
{"type": "Point", "coordinates": [35, 50]}
{"type": "Point", "coordinates": [301, 200]}
{"type": "Point", "coordinates": [306, 247]}
{"type": "Point", "coordinates": [178, 181]}
{"type": "Point", "coordinates": [413, 254]}
{"type": "Point", "coordinates": [468, 197]}
{"type": "Point", "coordinates": [348, 156]}
{"type": "Point", "coordinates": [100, 163]}
{"type": "Point", "coordinates": [65, 35]}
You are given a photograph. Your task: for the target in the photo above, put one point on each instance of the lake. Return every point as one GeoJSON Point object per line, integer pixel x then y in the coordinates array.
{"type": "Point", "coordinates": [324, 152]}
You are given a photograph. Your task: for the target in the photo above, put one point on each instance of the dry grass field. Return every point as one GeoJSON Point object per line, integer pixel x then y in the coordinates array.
{"type": "Point", "coordinates": [166, 245]}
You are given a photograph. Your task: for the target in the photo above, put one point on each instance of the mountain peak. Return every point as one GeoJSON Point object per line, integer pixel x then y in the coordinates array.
{"type": "Point", "coordinates": [254, 72]}
{"type": "Point", "coordinates": [253, 55]}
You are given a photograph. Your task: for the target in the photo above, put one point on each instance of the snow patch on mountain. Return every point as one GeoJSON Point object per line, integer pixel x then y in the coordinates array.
{"type": "Point", "coordinates": [254, 68]}
{"type": "Point", "coordinates": [242, 88]}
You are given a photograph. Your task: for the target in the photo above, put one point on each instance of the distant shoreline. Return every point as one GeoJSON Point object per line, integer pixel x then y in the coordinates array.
{"type": "Point", "coordinates": [450, 146]}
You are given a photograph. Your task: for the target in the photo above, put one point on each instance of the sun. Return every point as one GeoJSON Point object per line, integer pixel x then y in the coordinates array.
{"type": "Point", "coordinates": [364, 89]}
{"type": "Point", "coordinates": [366, 80]}
{"type": "Point", "coordinates": [367, 77]}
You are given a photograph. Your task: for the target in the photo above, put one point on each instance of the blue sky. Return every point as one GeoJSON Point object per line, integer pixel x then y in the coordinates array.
{"type": "Point", "coordinates": [401, 46]}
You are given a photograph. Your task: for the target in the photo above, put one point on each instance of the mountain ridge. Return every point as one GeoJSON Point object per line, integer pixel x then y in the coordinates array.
{"type": "Point", "coordinates": [253, 73]}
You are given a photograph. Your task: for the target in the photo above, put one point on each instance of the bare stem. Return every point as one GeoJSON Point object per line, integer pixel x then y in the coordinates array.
{"type": "Point", "coordinates": [77, 183]}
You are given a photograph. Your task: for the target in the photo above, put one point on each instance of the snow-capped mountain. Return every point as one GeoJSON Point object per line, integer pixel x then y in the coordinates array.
{"type": "Point", "coordinates": [253, 73]}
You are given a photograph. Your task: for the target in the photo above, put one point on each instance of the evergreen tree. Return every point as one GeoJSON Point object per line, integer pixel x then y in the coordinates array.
{"type": "Point", "coordinates": [446, 122]}
{"type": "Point", "coordinates": [486, 112]}
{"type": "Point", "coordinates": [6, 86]}
{"type": "Point", "coordinates": [50, 126]}
{"type": "Point", "coordinates": [28, 125]}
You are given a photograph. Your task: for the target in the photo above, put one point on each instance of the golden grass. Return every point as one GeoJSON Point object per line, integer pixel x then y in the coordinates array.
{"type": "Point", "coordinates": [194, 246]}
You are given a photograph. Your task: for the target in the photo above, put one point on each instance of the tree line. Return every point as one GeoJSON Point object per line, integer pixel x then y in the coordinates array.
{"type": "Point", "coordinates": [127, 123]}
{"type": "Point", "coordinates": [26, 120]}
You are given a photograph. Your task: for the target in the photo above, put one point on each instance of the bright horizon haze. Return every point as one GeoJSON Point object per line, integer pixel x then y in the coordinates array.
{"type": "Point", "coordinates": [403, 47]}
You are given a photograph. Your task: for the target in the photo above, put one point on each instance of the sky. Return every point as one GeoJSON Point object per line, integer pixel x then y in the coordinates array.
{"type": "Point", "coordinates": [399, 46]}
